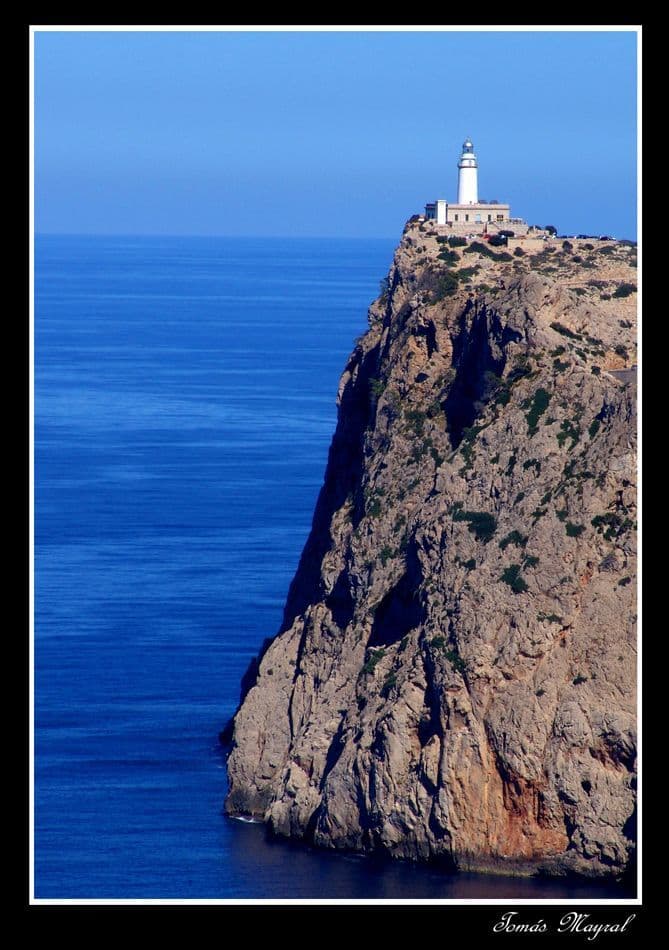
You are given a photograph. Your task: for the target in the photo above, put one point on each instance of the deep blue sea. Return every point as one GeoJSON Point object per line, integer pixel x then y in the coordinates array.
{"type": "Point", "coordinates": [184, 404]}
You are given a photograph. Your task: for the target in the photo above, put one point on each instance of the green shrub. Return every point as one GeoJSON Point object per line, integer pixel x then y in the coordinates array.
{"type": "Point", "coordinates": [538, 405]}
{"type": "Point", "coordinates": [532, 463]}
{"type": "Point", "coordinates": [579, 679]}
{"type": "Point", "coordinates": [574, 530]}
{"type": "Point", "coordinates": [481, 524]}
{"type": "Point", "coordinates": [476, 247]}
{"type": "Point", "coordinates": [457, 241]}
{"type": "Point", "coordinates": [624, 581]}
{"type": "Point", "coordinates": [386, 554]}
{"type": "Point", "coordinates": [514, 537]}
{"type": "Point", "coordinates": [446, 286]}
{"type": "Point", "coordinates": [565, 331]}
{"type": "Point", "coordinates": [471, 564]}
{"type": "Point", "coordinates": [511, 576]}
{"type": "Point", "coordinates": [593, 428]}
{"type": "Point", "coordinates": [376, 386]}
{"type": "Point", "coordinates": [624, 290]}
{"type": "Point", "coordinates": [438, 642]}
{"type": "Point", "coordinates": [450, 257]}
{"type": "Point", "coordinates": [375, 658]}
{"type": "Point", "coordinates": [466, 445]}
{"type": "Point", "coordinates": [551, 618]}
{"type": "Point", "coordinates": [568, 431]}
{"type": "Point", "coordinates": [568, 470]}
{"type": "Point", "coordinates": [519, 252]}
{"type": "Point", "coordinates": [595, 370]}
{"type": "Point", "coordinates": [455, 660]}
{"type": "Point", "coordinates": [614, 524]}
{"type": "Point", "coordinates": [519, 497]}
{"type": "Point", "coordinates": [374, 508]}
{"type": "Point", "coordinates": [530, 560]}
{"type": "Point", "coordinates": [415, 419]}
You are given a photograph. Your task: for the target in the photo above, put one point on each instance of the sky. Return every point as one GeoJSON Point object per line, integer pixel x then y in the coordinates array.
{"type": "Point", "coordinates": [326, 133]}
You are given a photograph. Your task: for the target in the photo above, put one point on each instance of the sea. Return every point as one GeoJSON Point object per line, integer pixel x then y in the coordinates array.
{"type": "Point", "coordinates": [184, 402]}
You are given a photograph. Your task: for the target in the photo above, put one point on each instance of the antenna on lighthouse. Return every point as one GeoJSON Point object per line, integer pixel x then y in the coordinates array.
{"type": "Point", "coordinates": [468, 191]}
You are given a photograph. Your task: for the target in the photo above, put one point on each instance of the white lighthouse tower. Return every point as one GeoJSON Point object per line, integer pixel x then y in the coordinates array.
{"type": "Point", "coordinates": [468, 192]}
{"type": "Point", "coordinates": [469, 215]}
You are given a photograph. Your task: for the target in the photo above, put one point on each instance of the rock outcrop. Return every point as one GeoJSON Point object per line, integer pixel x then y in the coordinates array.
{"type": "Point", "coordinates": [455, 674]}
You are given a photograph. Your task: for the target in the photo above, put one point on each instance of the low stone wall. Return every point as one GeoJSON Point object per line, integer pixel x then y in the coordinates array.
{"type": "Point", "coordinates": [463, 228]}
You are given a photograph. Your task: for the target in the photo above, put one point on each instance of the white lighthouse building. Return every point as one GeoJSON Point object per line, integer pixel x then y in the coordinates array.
{"type": "Point", "coordinates": [469, 214]}
{"type": "Point", "coordinates": [468, 189]}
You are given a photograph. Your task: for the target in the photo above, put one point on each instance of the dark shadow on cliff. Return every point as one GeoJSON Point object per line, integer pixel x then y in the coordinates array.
{"type": "Point", "coordinates": [478, 367]}
{"type": "Point", "coordinates": [341, 602]}
{"type": "Point", "coordinates": [401, 610]}
{"type": "Point", "coordinates": [342, 477]}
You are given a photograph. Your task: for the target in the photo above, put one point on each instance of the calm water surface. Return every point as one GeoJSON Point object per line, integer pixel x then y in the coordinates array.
{"type": "Point", "coordinates": [184, 404]}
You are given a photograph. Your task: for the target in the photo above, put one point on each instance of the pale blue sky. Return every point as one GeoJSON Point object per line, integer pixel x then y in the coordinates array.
{"type": "Point", "coordinates": [329, 133]}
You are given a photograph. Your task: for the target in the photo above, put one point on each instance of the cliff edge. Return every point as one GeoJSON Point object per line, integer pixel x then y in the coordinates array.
{"type": "Point", "coordinates": [455, 675]}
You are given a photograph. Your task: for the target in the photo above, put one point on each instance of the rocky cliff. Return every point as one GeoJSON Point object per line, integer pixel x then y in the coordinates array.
{"type": "Point", "coordinates": [455, 673]}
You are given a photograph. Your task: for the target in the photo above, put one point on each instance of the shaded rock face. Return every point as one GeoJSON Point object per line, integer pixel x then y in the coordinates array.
{"type": "Point", "coordinates": [455, 674]}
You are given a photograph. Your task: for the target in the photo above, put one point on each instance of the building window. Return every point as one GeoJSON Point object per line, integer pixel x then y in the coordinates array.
{"type": "Point", "coordinates": [500, 217]}
{"type": "Point", "coordinates": [456, 217]}
{"type": "Point", "coordinates": [466, 217]}
{"type": "Point", "coordinates": [489, 217]}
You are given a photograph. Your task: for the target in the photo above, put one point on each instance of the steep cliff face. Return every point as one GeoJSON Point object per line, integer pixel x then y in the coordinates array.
{"type": "Point", "coordinates": [455, 674]}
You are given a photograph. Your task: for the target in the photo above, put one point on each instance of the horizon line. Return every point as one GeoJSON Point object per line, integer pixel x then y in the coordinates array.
{"type": "Point", "coordinates": [253, 237]}
{"type": "Point", "coordinates": [193, 234]}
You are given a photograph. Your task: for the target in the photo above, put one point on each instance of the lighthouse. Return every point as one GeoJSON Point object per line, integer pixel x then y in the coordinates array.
{"type": "Point", "coordinates": [468, 192]}
{"type": "Point", "coordinates": [468, 215]}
